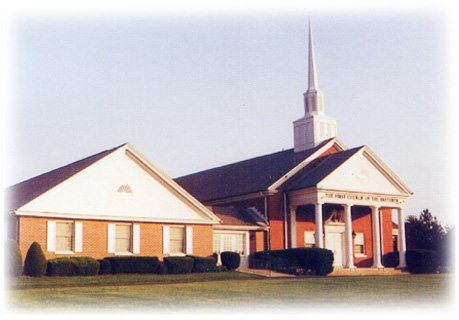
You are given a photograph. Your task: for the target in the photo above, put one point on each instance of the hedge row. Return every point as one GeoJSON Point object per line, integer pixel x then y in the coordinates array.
{"type": "Point", "coordinates": [36, 264]}
{"type": "Point", "coordinates": [74, 266]}
{"type": "Point", "coordinates": [316, 261]}
{"type": "Point", "coordinates": [133, 264]}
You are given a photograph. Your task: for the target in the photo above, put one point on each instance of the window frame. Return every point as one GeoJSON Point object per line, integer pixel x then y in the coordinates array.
{"type": "Point", "coordinates": [363, 253]}
{"type": "Point", "coordinates": [183, 228]}
{"type": "Point", "coordinates": [72, 246]}
{"type": "Point", "coordinates": [131, 240]}
{"type": "Point", "coordinates": [309, 245]}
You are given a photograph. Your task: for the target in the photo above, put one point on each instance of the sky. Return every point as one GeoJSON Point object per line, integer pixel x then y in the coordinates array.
{"type": "Point", "coordinates": [192, 92]}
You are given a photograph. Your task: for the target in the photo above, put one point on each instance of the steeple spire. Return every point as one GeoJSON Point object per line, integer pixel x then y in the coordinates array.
{"type": "Point", "coordinates": [312, 76]}
{"type": "Point", "coordinates": [315, 126]}
{"type": "Point", "coordinates": [313, 98]}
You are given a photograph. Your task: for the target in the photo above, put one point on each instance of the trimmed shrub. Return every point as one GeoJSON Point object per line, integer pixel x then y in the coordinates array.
{"type": "Point", "coordinates": [231, 260]}
{"type": "Point", "coordinates": [104, 266]}
{"type": "Point", "coordinates": [35, 261]}
{"type": "Point", "coordinates": [61, 267]}
{"type": "Point", "coordinates": [422, 261]}
{"type": "Point", "coordinates": [215, 256]}
{"type": "Point", "coordinates": [13, 259]}
{"type": "Point", "coordinates": [203, 264]}
{"type": "Point", "coordinates": [74, 266]}
{"type": "Point", "coordinates": [316, 261]}
{"type": "Point", "coordinates": [323, 261]}
{"type": "Point", "coordinates": [177, 265]}
{"type": "Point", "coordinates": [86, 266]}
{"type": "Point", "coordinates": [162, 268]}
{"type": "Point", "coordinates": [391, 260]}
{"type": "Point", "coordinates": [133, 264]}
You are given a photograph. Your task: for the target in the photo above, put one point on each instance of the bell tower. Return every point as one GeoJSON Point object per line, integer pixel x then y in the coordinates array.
{"type": "Point", "coordinates": [315, 126]}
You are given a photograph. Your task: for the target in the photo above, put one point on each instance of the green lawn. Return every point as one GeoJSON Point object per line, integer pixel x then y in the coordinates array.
{"type": "Point", "coordinates": [122, 279]}
{"type": "Point", "coordinates": [243, 291]}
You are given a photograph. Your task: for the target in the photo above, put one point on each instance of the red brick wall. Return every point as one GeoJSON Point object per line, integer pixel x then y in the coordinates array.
{"type": "Point", "coordinates": [361, 222]}
{"type": "Point", "coordinates": [95, 237]}
{"type": "Point", "coordinates": [276, 221]}
{"type": "Point", "coordinates": [386, 221]}
{"type": "Point", "coordinates": [256, 241]}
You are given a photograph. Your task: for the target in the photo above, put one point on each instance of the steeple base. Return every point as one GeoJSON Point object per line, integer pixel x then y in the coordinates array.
{"type": "Point", "coordinates": [311, 130]}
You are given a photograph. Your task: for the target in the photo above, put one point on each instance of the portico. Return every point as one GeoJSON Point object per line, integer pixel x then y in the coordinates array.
{"type": "Point", "coordinates": [333, 222]}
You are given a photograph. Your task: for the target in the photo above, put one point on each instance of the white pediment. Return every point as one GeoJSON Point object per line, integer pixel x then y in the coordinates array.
{"type": "Point", "coordinates": [118, 186]}
{"type": "Point", "coordinates": [359, 174]}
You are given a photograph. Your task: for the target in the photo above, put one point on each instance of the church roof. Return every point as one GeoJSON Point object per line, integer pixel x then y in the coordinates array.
{"type": "Point", "coordinates": [232, 216]}
{"type": "Point", "coordinates": [244, 177]}
{"type": "Point", "coordinates": [321, 167]}
{"type": "Point", "coordinates": [25, 191]}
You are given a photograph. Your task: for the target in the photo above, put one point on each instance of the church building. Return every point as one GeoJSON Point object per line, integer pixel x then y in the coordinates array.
{"type": "Point", "coordinates": [320, 194]}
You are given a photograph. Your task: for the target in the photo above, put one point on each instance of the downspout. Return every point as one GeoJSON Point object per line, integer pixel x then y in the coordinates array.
{"type": "Point", "coordinates": [285, 222]}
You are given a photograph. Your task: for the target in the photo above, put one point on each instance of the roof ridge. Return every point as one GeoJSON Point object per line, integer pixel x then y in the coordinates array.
{"type": "Point", "coordinates": [254, 158]}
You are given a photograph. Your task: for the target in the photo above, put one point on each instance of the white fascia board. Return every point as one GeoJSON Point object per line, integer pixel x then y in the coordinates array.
{"type": "Point", "coordinates": [73, 176]}
{"type": "Point", "coordinates": [166, 179]}
{"type": "Point", "coordinates": [242, 228]}
{"type": "Point", "coordinates": [109, 218]}
{"type": "Point", "coordinates": [386, 170]}
{"type": "Point", "coordinates": [305, 162]}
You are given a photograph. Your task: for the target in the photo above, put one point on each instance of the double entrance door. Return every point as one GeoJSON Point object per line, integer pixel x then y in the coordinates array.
{"type": "Point", "coordinates": [334, 241]}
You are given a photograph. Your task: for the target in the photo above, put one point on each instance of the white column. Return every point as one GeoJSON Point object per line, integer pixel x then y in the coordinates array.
{"type": "Point", "coordinates": [348, 237]}
{"type": "Point", "coordinates": [293, 227]}
{"type": "Point", "coordinates": [319, 226]}
{"type": "Point", "coordinates": [401, 238]}
{"type": "Point", "coordinates": [376, 238]}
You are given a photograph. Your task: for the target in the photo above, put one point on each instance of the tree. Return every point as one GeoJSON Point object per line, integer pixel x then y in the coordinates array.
{"type": "Point", "coordinates": [35, 262]}
{"type": "Point", "coordinates": [13, 259]}
{"type": "Point", "coordinates": [424, 232]}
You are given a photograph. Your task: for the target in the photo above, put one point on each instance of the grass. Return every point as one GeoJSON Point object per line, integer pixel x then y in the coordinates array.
{"type": "Point", "coordinates": [122, 279]}
{"type": "Point", "coordinates": [426, 290]}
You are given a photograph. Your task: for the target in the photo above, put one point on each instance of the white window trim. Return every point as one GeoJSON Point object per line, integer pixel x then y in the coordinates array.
{"type": "Point", "coordinates": [361, 255]}
{"type": "Point", "coordinates": [125, 253]}
{"type": "Point", "coordinates": [69, 252]}
{"type": "Point", "coordinates": [177, 254]}
{"type": "Point", "coordinates": [313, 238]}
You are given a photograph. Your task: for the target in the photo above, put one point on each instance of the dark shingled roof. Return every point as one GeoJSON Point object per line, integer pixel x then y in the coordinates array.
{"type": "Point", "coordinates": [321, 167]}
{"type": "Point", "coordinates": [233, 216]}
{"type": "Point", "coordinates": [243, 177]}
{"type": "Point", "coordinates": [19, 194]}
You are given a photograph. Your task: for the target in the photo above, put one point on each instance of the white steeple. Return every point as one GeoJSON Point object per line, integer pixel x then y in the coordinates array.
{"type": "Point", "coordinates": [315, 126]}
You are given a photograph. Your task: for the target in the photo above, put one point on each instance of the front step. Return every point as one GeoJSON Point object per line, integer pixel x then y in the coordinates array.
{"type": "Point", "coordinates": [367, 272]}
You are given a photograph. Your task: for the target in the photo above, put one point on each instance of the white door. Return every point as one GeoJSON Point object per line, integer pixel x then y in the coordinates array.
{"type": "Point", "coordinates": [335, 244]}
{"type": "Point", "coordinates": [231, 242]}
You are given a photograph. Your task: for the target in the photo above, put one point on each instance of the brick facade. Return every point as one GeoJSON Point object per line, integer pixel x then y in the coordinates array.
{"type": "Point", "coordinates": [95, 242]}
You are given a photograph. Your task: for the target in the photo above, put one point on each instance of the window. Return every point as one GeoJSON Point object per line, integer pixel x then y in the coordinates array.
{"type": "Point", "coordinates": [230, 242]}
{"type": "Point", "coordinates": [359, 244]}
{"type": "Point", "coordinates": [217, 242]}
{"type": "Point", "coordinates": [177, 240]}
{"type": "Point", "coordinates": [309, 240]}
{"type": "Point", "coordinates": [64, 236]}
{"type": "Point", "coordinates": [123, 238]}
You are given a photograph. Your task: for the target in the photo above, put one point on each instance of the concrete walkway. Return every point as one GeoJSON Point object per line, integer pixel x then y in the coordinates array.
{"type": "Point", "coordinates": [266, 273]}
{"type": "Point", "coordinates": [337, 272]}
